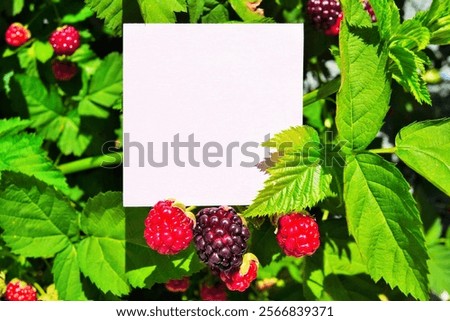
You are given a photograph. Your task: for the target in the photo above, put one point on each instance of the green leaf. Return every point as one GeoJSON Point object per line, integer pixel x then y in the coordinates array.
{"type": "Point", "coordinates": [80, 16]}
{"type": "Point", "coordinates": [12, 7]}
{"type": "Point", "coordinates": [424, 147]}
{"type": "Point", "coordinates": [102, 254]}
{"type": "Point", "coordinates": [340, 253]}
{"type": "Point", "coordinates": [146, 267]}
{"type": "Point", "coordinates": [66, 273]}
{"type": "Point", "coordinates": [105, 88]}
{"type": "Point", "coordinates": [72, 140]}
{"type": "Point", "coordinates": [110, 10]}
{"type": "Point", "coordinates": [388, 17]}
{"type": "Point", "coordinates": [406, 72]}
{"type": "Point", "coordinates": [437, 20]}
{"type": "Point", "coordinates": [337, 257]}
{"type": "Point", "coordinates": [50, 117]}
{"type": "Point", "coordinates": [294, 139]}
{"type": "Point", "coordinates": [363, 99]}
{"type": "Point", "coordinates": [300, 179]}
{"type": "Point", "coordinates": [161, 11]}
{"type": "Point", "coordinates": [23, 153]}
{"type": "Point", "coordinates": [37, 220]}
{"type": "Point", "coordinates": [12, 126]}
{"type": "Point", "coordinates": [411, 35]}
{"type": "Point", "coordinates": [195, 9]}
{"type": "Point", "coordinates": [439, 265]}
{"type": "Point", "coordinates": [384, 220]}
{"type": "Point", "coordinates": [219, 14]}
{"type": "Point", "coordinates": [247, 10]}
{"type": "Point", "coordinates": [43, 51]}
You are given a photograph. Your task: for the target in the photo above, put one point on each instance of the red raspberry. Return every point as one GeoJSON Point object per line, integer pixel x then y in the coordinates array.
{"type": "Point", "coordinates": [168, 229]}
{"type": "Point", "coordinates": [65, 40]}
{"type": "Point", "coordinates": [298, 234]}
{"type": "Point", "coordinates": [240, 279]}
{"type": "Point", "coordinates": [64, 70]}
{"type": "Point", "coordinates": [178, 285]}
{"type": "Point", "coordinates": [213, 293]}
{"type": "Point", "coordinates": [220, 238]}
{"type": "Point", "coordinates": [17, 290]}
{"type": "Point", "coordinates": [17, 34]}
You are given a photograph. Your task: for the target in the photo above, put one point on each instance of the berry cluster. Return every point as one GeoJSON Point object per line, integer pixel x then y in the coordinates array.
{"type": "Point", "coordinates": [220, 237]}
{"type": "Point", "coordinates": [64, 40]}
{"type": "Point", "coordinates": [326, 15]}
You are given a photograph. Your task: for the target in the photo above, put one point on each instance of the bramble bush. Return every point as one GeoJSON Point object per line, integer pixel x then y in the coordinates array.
{"type": "Point", "coordinates": [369, 167]}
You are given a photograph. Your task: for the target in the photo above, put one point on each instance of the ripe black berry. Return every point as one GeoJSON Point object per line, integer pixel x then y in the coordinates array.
{"type": "Point", "coordinates": [325, 14]}
{"type": "Point", "coordinates": [220, 238]}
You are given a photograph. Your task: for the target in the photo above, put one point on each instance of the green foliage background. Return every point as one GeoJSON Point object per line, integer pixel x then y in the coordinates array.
{"type": "Point", "coordinates": [383, 211]}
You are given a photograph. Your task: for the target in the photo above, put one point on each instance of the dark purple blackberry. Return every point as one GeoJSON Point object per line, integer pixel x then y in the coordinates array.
{"type": "Point", "coordinates": [324, 14]}
{"type": "Point", "coordinates": [220, 238]}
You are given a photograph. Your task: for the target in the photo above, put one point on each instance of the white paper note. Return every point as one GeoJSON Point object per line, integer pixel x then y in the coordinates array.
{"type": "Point", "coordinates": [198, 101]}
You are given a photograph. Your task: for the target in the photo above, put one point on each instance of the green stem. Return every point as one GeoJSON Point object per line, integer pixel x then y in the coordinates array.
{"type": "Point", "coordinates": [390, 150]}
{"type": "Point", "coordinates": [107, 160]}
{"type": "Point", "coordinates": [326, 90]}
{"type": "Point", "coordinates": [191, 208]}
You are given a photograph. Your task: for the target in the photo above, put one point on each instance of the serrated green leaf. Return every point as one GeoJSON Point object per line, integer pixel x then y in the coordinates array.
{"type": "Point", "coordinates": [50, 117]}
{"type": "Point", "coordinates": [298, 180]}
{"type": "Point", "coordinates": [388, 17]}
{"type": "Point", "coordinates": [23, 153]}
{"type": "Point", "coordinates": [110, 10]}
{"type": "Point", "coordinates": [411, 35]}
{"type": "Point", "coordinates": [12, 126]}
{"type": "Point", "coordinates": [161, 11]}
{"type": "Point", "coordinates": [437, 20]}
{"type": "Point", "coordinates": [363, 99]}
{"type": "Point", "coordinates": [406, 72]}
{"type": "Point", "coordinates": [248, 11]}
{"type": "Point", "coordinates": [105, 88]}
{"type": "Point", "coordinates": [37, 220]}
{"type": "Point", "coordinates": [219, 14]}
{"type": "Point", "coordinates": [146, 267]}
{"type": "Point", "coordinates": [383, 218]}
{"type": "Point", "coordinates": [424, 147]}
{"type": "Point", "coordinates": [101, 255]}
{"type": "Point", "coordinates": [195, 9]}
{"type": "Point", "coordinates": [355, 15]}
{"type": "Point", "coordinates": [66, 274]}
{"type": "Point", "coordinates": [293, 140]}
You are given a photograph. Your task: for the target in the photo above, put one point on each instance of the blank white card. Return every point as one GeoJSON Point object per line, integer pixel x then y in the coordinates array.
{"type": "Point", "coordinates": [198, 102]}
